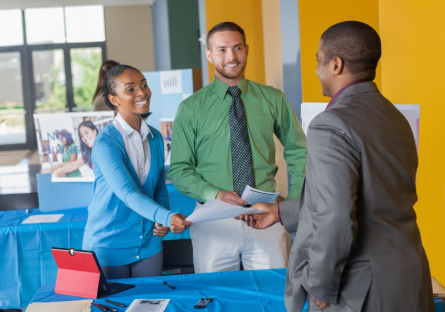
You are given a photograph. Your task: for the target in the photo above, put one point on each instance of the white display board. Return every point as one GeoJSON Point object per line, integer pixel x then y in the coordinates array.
{"type": "Point", "coordinates": [411, 112]}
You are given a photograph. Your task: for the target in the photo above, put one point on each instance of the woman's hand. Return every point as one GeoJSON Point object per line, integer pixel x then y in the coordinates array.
{"type": "Point", "coordinates": [161, 230]}
{"type": "Point", "coordinates": [178, 224]}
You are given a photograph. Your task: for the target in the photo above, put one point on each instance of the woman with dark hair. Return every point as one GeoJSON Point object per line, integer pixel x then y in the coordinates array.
{"type": "Point", "coordinates": [130, 210]}
{"type": "Point", "coordinates": [69, 152]}
{"type": "Point", "coordinates": [87, 134]}
{"type": "Point", "coordinates": [98, 99]}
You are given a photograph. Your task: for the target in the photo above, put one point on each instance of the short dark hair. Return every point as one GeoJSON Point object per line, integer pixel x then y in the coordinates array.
{"type": "Point", "coordinates": [357, 44]}
{"type": "Point", "coordinates": [111, 83]}
{"type": "Point", "coordinates": [225, 26]}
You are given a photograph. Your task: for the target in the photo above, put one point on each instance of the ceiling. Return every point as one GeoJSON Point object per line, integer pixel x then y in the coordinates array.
{"type": "Point", "coordinates": [24, 4]}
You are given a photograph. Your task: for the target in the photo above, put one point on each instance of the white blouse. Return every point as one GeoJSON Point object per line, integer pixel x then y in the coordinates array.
{"type": "Point", "coordinates": [136, 146]}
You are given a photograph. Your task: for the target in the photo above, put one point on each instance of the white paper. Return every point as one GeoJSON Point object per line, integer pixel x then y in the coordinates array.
{"type": "Point", "coordinates": [171, 82]}
{"type": "Point", "coordinates": [253, 196]}
{"type": "Point", "coordinates": [148, 305]}
{"type": "Point", "coordinates": [48, 218]}
{"type": "Point", "coordinates": [66, 306]}
{"type": "Point", "coordinates": [214, 209]}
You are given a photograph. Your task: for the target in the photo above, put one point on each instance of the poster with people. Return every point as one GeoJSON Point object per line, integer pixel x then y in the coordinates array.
{"type": "Point", "coordinates": [65, 142]}
{"type": "Point", "coordinates": [166, 131]}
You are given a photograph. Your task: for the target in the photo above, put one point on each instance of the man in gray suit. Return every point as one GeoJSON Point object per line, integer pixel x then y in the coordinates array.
{"type": "Point", "coordinates": [357, 244]}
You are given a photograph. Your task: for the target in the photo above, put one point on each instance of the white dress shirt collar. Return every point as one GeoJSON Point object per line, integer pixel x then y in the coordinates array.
{"type": "Point", "coordinates": [125, 129]}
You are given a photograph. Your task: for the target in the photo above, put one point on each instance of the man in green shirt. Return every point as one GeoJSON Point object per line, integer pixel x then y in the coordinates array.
{"type": "Point", "coordinates": [222, 141]}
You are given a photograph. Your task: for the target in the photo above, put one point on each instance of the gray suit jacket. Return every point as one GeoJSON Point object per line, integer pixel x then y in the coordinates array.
{"type": "Point", "coordinates": [355, 220]}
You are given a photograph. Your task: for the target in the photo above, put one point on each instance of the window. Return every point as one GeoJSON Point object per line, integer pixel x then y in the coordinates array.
{"type": "Point", "coordinates": [85, 23]}
{"type": "Point", "coordinates": [44, 25]}
{"type": "Point", "coordinates": [54, 69]}
{"type": "Point", "coordinates": [12, 21]}
{"type": "Point", "coordinates": [12, 114]}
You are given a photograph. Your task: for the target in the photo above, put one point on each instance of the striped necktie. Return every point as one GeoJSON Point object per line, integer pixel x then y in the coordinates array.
{"type": "Point", "coordinates": [242, 163]}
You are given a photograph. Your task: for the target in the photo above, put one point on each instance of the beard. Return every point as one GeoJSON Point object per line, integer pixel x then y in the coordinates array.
{"type": "Point", "coordinates": [231, 75]}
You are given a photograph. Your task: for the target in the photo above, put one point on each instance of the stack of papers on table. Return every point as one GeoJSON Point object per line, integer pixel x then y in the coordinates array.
{"type": "Point", "coordinates": [67, 306]}
{"type": "Point", "coordinates": [214, 209]}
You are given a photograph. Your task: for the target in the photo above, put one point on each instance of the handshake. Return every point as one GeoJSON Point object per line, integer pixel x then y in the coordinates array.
{"type": "Point", "coordinates": [268, 217]}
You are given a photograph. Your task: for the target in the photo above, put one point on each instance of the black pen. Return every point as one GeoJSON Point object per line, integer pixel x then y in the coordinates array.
{"type": "Point", "coordinates": [205, 304]}
{"type": "Point", "coordinates": [115, 303]}
{"type": "Point", "coordinates": [107, 307]}
{"type": "Point", "coordinates": [199, 302]}
{"type": "Point", "coordinates": [99, 307]}
{"type": "Point", "coordinates": [169, 285]}
{"type": "Point", "coordinates": [201, 306]}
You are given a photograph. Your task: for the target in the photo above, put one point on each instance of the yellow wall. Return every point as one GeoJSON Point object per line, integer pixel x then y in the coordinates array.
{"type": "Point", "coordinates": [315, 18]}
{"type": "Point", "coordinates": [247, 14]}
{"type": "Point", "coordinates": [412, 73]}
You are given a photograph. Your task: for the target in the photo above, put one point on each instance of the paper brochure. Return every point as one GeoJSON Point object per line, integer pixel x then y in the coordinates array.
{"type": "Point", "coordinates": [253, 196]}
{"type": "Point", "coordinates": [148, 305]}
{"type": "Point", "coordinates": [49, 218]}
{"type": "Point", "coordinates": [214, 209]}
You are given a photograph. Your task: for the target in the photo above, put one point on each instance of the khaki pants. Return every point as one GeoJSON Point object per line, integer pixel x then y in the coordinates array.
{"type": "Point", "coordinates": [222, 244]}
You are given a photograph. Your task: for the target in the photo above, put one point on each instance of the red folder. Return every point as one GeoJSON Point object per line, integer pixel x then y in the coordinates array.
{"type": "Point", "coordinates": [78, 274]}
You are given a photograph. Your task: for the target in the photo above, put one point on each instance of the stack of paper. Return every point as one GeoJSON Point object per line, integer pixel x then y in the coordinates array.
{"type": "Point", "coordinates": [67, 306]}
{"type": "Point", "coordinates": [253, 196]}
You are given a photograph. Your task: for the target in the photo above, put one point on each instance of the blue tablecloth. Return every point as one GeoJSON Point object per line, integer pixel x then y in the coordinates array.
{"type": "Point", "coordinates": [242, 291]}
{"type": "Point", "coordinates": [26, 262]}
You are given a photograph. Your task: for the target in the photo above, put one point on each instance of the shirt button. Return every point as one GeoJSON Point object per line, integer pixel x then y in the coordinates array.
{"type": "Point", "coordinates": [137, 257]}
{"type": "Point", "coordinates": [141, 236]}
{"type": "Point", "coordinates": [142, 222]}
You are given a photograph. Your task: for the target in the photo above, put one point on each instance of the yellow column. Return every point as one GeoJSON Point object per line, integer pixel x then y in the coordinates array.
{"type": "Point", "coordinates": [247, 14]}
{"type": "Point", "coordinates": [315, 18]}
{"type": "Point", "coordinates": [412, 73]}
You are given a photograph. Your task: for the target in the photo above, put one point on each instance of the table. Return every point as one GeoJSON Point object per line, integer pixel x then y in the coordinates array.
{"type": "Point", "coordinates": [242, 291]}
{"type": "Point", "coordinates": [26, 262]}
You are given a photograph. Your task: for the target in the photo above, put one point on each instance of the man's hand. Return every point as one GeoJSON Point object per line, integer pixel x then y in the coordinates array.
{"type": "Point", "coordinates": [264, 219]}
{"type": "Point", "coordinates": [161, 230]}
{"type": "Point", "coordinates": [178, 224]}
{"type": "Point", "coordinates": [322, 305]}
{"type": "Point", "coordinates": [231, 198]}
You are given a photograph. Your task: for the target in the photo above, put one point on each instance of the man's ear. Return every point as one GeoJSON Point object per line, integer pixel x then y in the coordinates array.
{"type": "Point", "coordinates": [113, 100]}
{"type": "Point", "coordinates": [247, 49]}
{"type": "Point", "coordinates": [338, 65]}
{"type": "Point", "coordinates": [209, 56]}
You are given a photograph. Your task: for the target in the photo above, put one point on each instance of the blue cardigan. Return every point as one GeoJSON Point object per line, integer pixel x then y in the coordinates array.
{"type": "Point", "coordinates": [122, 214]}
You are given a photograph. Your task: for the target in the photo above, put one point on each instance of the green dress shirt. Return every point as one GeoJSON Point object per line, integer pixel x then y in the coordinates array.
{"type": "Point", "coordinates": [201, 159]}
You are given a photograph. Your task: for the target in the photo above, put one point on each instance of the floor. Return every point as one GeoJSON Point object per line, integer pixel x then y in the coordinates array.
{"type": "Point", "coordinates": [18, 182]}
